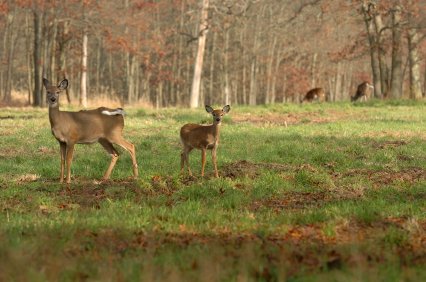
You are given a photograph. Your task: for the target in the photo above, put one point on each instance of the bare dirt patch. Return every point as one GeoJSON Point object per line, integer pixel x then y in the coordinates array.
{"type": "Point", "coordinates": [304, 200]}
{"type": "Point", "coordinates": [293, 201]}
{"type": "Point", "coordinates": [244, 168]}
{"type": "Point", "coordinates": [385, 177]}
{"type": "Point", "coordinates": [395, 134]}
{"type": "Point", "coordinates": [292, 118]}
{"type": "Point", "coordinates": [91, 195]}
{"type": "Point", "coordinates": [388, 144]}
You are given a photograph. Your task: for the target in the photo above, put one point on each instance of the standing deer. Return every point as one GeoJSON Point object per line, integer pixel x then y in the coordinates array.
{"type": "Point", "coordinates": [101, 125]}
{"type": "Point", "coordinates": [362, 92]}
{"type": "Point", "coordinates": [203, 137]}
{"type": "Point", "coordinates": [317, 94]}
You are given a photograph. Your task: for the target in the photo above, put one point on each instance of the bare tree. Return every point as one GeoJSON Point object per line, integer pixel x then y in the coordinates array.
{"type": "Point", "coordinates": [372, 39]}
{"type": "Point", "coordinates": [396, 78]}
{"type": "Point", "coordinates": [37, 51]}
{"type": "Point", "coordinates": [198, 67]}
{"type": "Point", "coordinates": [83, 81]}
{"type": "Point", "coordinates": [413, 55]}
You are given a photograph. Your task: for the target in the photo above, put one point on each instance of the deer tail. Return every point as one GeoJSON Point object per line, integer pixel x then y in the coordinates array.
{"type": "Point", "coordinates": [118, 111]}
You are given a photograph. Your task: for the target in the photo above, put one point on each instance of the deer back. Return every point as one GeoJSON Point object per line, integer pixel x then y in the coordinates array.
{"type": "Point", "coordinates": [199, 136]}
{"type": "Point", "coordinates": [315, 94]}
{"type": "Point", "coordinates": [360, 91]}
{"type": "Point", "coordinates": [86, 126]}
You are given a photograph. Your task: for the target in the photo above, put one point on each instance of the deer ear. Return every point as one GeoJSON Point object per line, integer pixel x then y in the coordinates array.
{"type": "Point", "coordinates": [226, 109]}
{"type": "Point", "coordinates": [63, 84]}
{"type": "Point", "coordinates": [46, 82]}
{"type": "Point", "coordinates": [209, 109]}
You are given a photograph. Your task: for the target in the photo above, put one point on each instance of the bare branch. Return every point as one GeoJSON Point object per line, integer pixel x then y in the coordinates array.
{"type": "Point", "coordinates": [301, 8]}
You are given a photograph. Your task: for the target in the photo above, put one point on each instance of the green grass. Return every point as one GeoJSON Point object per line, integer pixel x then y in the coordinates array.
{"type": "Point", "coordinates": [336, 195]}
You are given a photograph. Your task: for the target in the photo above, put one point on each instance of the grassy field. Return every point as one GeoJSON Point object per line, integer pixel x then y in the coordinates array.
{"type": "Point", "coordinates": [331, 192]}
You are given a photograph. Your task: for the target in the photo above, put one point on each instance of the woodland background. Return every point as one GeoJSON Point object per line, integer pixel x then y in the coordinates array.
{"type": "Point", "coordinates": [254, 51]}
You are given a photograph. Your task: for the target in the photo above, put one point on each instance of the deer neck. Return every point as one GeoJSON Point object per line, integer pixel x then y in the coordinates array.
{"type": "Point", "coordinates": [54, 114]}
{"type": "Point", "coordinates": [215, 130]}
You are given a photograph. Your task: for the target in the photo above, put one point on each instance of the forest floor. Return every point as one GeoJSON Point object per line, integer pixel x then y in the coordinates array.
{"type": "Point", "coordinates": [317, 192]}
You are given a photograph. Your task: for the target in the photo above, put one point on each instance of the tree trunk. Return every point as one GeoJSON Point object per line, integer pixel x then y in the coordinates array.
{"type": "Point", "coordinates": [83, 81]}
{"type": "Point", "coordinates": [243, 69]}
{"type": "Point", "coordinates": [314, 70]}
{"type": "Point", "coordinates": [252, 93]}
{"type": "Point", "coordinates": [52, 49]}
{"type": "Point", "coordinates": [413, 55]}
{"type": "Point", "coordinates": [396, 78]}
{"type": "Point", "coordinates": [209, 99]}
{"type": "Point", "coordinates": [195, 90]}
{"type": "Point", "coordinates": [339, 83]}
{"type": "Point", "coordinates": [275, 75]}
{"type": "Point", "coordinates": [330, 86]}
{"type": "Point", "coordinates": [45, 53]}
{"type": "Point", "coordinates": [38, 19]}
{"type": "Point", "coordinates": [271, 56]}
{"type": "Point", "coordinates": [110, 76]}
{"type": "Point", "coordinates": [254, 63]}
{"type": "Point", "coordinates": [29, 63]}
{"type": "Point", "coordinates": [227, 90]}
{"type": "Point", "coordinates": [63, 42]}
{"type": "Point", "coordinates": [10, 54]}
{"type": "Point", "coordinates": [98, 66]}
{"type": "Point", "coordinates": [384, 78]}
{"type": "Point", "coordinates": [424, 82]}
{"type": "Point", "coordinates": [375, 66]}
{"type": "Point", "coordinates": [180, 59]}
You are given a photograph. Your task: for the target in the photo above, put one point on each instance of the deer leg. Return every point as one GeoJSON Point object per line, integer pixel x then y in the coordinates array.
{"type": "Point", "coordinates": [63, 147]}
{"type": "Point", "coordinates": [131, 149]}
{"type": "Point", "coordinates": [185, 158]}
{"type": "Point", "coordinates": [203, 161]}
{"type": "Point", "coordinates": [114, 157]}
{"type": "Point", "coordinates": [69, 155]}
{"type": "Point", "coordinates": [182, 161]}
{"type": "Point", "coordinates": [214, 160]}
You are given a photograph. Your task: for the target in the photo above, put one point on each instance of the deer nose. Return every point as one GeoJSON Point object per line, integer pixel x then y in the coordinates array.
{"type": "Point", "coordinates": [53, 99]}
{"type": "Point", "coordinates": [217, 119]}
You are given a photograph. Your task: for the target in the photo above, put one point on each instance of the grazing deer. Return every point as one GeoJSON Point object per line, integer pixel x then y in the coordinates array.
{"type": "Point", "coordinates": [203, 137]}
{"type": "Point", "coordinates": [316, 94]}
{"type": "Point", "coordinates": [101, 125]}
{"type": "Point", "coordinates": [362, 92]}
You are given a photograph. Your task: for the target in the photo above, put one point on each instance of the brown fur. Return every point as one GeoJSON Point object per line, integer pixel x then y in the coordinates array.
{"type": "Point", "coordinates": [202, 137]}
{"type": "Point", "coordinates": [315, 94]}
{"type": "Point", "coordinates": [86, 127]}
{"type": "Point", "coordinates": [362, 92]}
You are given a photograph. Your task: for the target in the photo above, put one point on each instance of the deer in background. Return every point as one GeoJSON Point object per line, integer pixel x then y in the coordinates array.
{"type": "Point", "coordinates": [315, 94]}
{"type": "Point", "coordinates": [203, 137]}
{"type": "Point", "coordinates": [362, 92]}
{"type": "Point", "coordinates": [101, 125]}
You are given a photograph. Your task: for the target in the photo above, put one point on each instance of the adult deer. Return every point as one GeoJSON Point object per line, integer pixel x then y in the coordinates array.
{"type": "Point", "coordinates": [203, 137]}
{"type": "Point", "coordinates": [315, 94]}
{"type": "Point", "coordinates": [101, 125]}
{"type": "Point", "coordinates": [362, 92]}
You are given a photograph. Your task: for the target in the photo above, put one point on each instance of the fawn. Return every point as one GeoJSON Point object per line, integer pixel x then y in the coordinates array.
{"type": "Point", "coordinates": [101, 125]}
{"type": "Point", "coordinates": [203, 137]}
